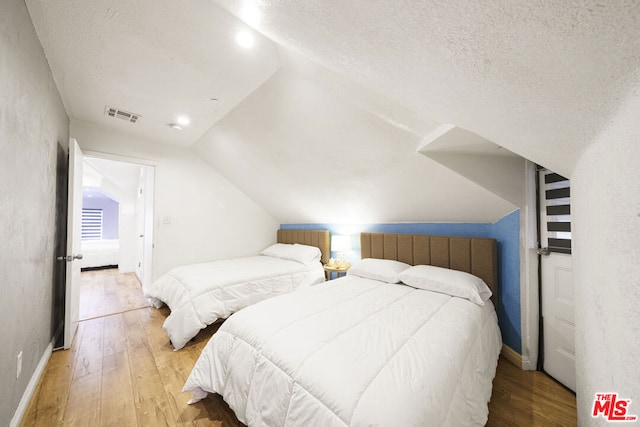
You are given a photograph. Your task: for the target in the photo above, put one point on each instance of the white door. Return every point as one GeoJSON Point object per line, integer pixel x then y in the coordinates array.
{"type": "Point", "coordinates": [140, 226]}
{"type": "Point", "coordinates": [74, 230]}
{"type": "Point", "coordinates": [144, 211]}
{"type": "Point", "coordinates": [148, 191]}
{"type": "Point", "coordinates": [558, 327]}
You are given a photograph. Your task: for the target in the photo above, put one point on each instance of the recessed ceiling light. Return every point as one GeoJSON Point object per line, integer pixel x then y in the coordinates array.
{"type": "Point", "coordinates": [250, 15]}
{"type": "Point", "coordinates": [175, 126]}
{"type": "Point", "coordinates": [183, 120]}
{"type": "Point", "coordinates": [245, 39]}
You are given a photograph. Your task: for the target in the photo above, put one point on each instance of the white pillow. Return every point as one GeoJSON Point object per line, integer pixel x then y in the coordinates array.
{"type": "Point", "coordinates": [384, 270]}
{"type": "Point", "coordinates": [452, 282]}
{"type": "Point", "coordinates": [301, 253]}
{"type": "Point", "coordinates": [304, 253]}
{"type": "Point", "coordinates": [277, 250]}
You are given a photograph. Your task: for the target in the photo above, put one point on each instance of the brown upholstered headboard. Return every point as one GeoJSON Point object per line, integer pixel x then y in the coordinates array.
{"type": "Point", "coordinates": [317, 238]}
{"type": "Point", "coordinates": [474, 255]}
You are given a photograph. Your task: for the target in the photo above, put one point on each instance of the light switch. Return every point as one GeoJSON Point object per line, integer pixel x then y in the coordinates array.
{"type": "Point", "coordinates": [166, 220]}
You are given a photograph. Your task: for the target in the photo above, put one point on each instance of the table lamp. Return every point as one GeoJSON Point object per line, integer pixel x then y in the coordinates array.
{"type": "Point", "coordinates": [340, 244]}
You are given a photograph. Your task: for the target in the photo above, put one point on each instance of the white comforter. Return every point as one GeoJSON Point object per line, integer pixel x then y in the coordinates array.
{"type": "Point", "coordinates": [100, 253]}
{"type": "Point", "coordinates": [354, 352]}
{"type": "Point", "coordinates": [199, 294]}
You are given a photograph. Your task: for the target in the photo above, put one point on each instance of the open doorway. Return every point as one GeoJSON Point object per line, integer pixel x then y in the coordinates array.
{"type": "Point", "coordinates": [117, 226]}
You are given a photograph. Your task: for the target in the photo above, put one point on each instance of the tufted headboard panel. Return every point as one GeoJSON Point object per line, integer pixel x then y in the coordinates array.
{"type": "Point", "coordinates": [475, 255]}
{"type": "Point", "coordinates": [317, 238]}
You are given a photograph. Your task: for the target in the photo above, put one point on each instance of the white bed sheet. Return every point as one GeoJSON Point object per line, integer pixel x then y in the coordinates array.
{"type": "Point", "coordinates": [354, 352]}
{"type": "Point", "coordinates": [100, 253]}
{"type": "Point", "coordinates": [199, 294]}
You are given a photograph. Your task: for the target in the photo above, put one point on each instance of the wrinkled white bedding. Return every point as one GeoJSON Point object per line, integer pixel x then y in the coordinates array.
{"type": "Point", "coordinates": [354, 352]}
{"type": "Point", "coordinates": [100, 253]}
{"type": "Point", "coordinates": [199, 294]}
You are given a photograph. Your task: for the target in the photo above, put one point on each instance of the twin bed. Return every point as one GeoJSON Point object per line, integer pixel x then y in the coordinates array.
{"type": "Point", "coordinates": [389, 344]}
{"type": "Point", "coordinates": [200, 294]}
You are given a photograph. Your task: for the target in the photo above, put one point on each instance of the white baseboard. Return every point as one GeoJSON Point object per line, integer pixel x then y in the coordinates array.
{"type": "Point", "coordinates": [511, 355]}
{"type": "Point", "coordinates": [31, 387]}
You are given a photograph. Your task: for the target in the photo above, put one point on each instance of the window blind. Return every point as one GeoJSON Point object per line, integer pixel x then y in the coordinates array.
{"type": "Point", "coordinates": [91, 224]}
{"type": "Point", "coordinates": [557, 191]}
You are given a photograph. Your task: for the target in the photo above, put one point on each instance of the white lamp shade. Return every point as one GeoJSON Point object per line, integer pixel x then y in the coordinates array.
{"type": "Point", "coordinates": [341, 243]}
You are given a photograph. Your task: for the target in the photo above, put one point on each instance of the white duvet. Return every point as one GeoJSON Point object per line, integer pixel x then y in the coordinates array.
{"type": "Point", "coordinates": [354, 352]}
{"type": "Point", "coordinates": [100, 253]}
{"type": "Point", "coordinates": [199, 294]}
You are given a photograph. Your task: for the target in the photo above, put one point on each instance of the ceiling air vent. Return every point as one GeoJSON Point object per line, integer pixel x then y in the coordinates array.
{"type": "Point", "coordinates": [121, 114]}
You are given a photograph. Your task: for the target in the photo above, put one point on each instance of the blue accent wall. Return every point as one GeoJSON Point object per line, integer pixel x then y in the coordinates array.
{"type": "Point", "coordinates": [507, 233]}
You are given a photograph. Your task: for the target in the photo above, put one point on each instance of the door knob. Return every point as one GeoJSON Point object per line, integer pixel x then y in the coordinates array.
{"type": "Point", "coordinates": [543, 251]}
{"type": "Point", "coordinates": [69, 257]}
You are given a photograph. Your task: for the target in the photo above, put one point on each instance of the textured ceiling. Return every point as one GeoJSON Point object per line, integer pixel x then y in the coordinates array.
{"type": "Point", "coordinates": [541, 78]}
{"type": "Point", "coordinates": [332, 115]}
{"type": "Point", "coordinates": [156, 58]}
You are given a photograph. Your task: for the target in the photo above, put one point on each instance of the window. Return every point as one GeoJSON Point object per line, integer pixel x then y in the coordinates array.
{"type": "Point", "coordinates": [557, 195]}
{"type": "Point", "coordinates": [91, 224]}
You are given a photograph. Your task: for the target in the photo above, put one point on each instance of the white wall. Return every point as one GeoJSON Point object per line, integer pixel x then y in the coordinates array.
{"type": "Point", "coordinates": [605, 197]}
{"type": "Point", "coordinates": [209, 217]}
{"type": "Point", "coordinates": [32, 122]}
{"type": "Point", "coordinates": [352, 153]}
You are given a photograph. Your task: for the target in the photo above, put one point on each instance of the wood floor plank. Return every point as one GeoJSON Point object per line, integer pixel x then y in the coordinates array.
{"type": "Point", "coordinates": [83, 406]}
{"type": "Point", "coordinates": [152, 404]}
{"type": "Point", "coordinates": [114, 338]}
{"type": "Point", "coordinates": [106, 291]}
{"type": "Point", "coordinates": [150, 400]}
{"type": "Point", "coordinates": [117, 404]}
{"type": "Point", "coordinates": [173, 374]}
{"type": "Point", "coordinates": [89, 357]}
{"type": "Point", "coordinates": [530, 398]}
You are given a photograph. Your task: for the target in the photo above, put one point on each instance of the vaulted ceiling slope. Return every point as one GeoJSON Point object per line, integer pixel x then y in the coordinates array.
{"type": "Point", "coordinates": [312, 146]}
{"type": "Point", "coordinates": [541, 78]}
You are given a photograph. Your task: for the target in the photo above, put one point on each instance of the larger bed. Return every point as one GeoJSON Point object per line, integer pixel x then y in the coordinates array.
{"type": "Point", "coordinates": [365, 349]}
{"type": "Point", "coordinates": [200, 294]}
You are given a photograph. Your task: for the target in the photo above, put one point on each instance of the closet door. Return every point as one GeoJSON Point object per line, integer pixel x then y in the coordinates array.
{"type": "Point", "coordinates": [558, 325]}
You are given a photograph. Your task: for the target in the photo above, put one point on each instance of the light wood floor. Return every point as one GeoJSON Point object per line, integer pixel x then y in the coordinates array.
{"type": "Point", "coordinates": [122, 371]}
{"type": "Point", "coordinates": [104, 292]}
{"type": "Point", "coordinates": [529, 398]}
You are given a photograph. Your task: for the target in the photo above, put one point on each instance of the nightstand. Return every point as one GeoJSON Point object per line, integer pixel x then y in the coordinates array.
{"type": "Point", "coordinates": [334, 269]}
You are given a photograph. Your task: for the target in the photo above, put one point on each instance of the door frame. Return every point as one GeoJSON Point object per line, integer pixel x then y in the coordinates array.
{"type": "Point", "coordinates": [60, 239]}
{"type": "Point", "coordinates": [540, 364]}
{"type": "Point", "coordinates": [529, 293]}
{"type": "Point", "coordinates": [149, 207]}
